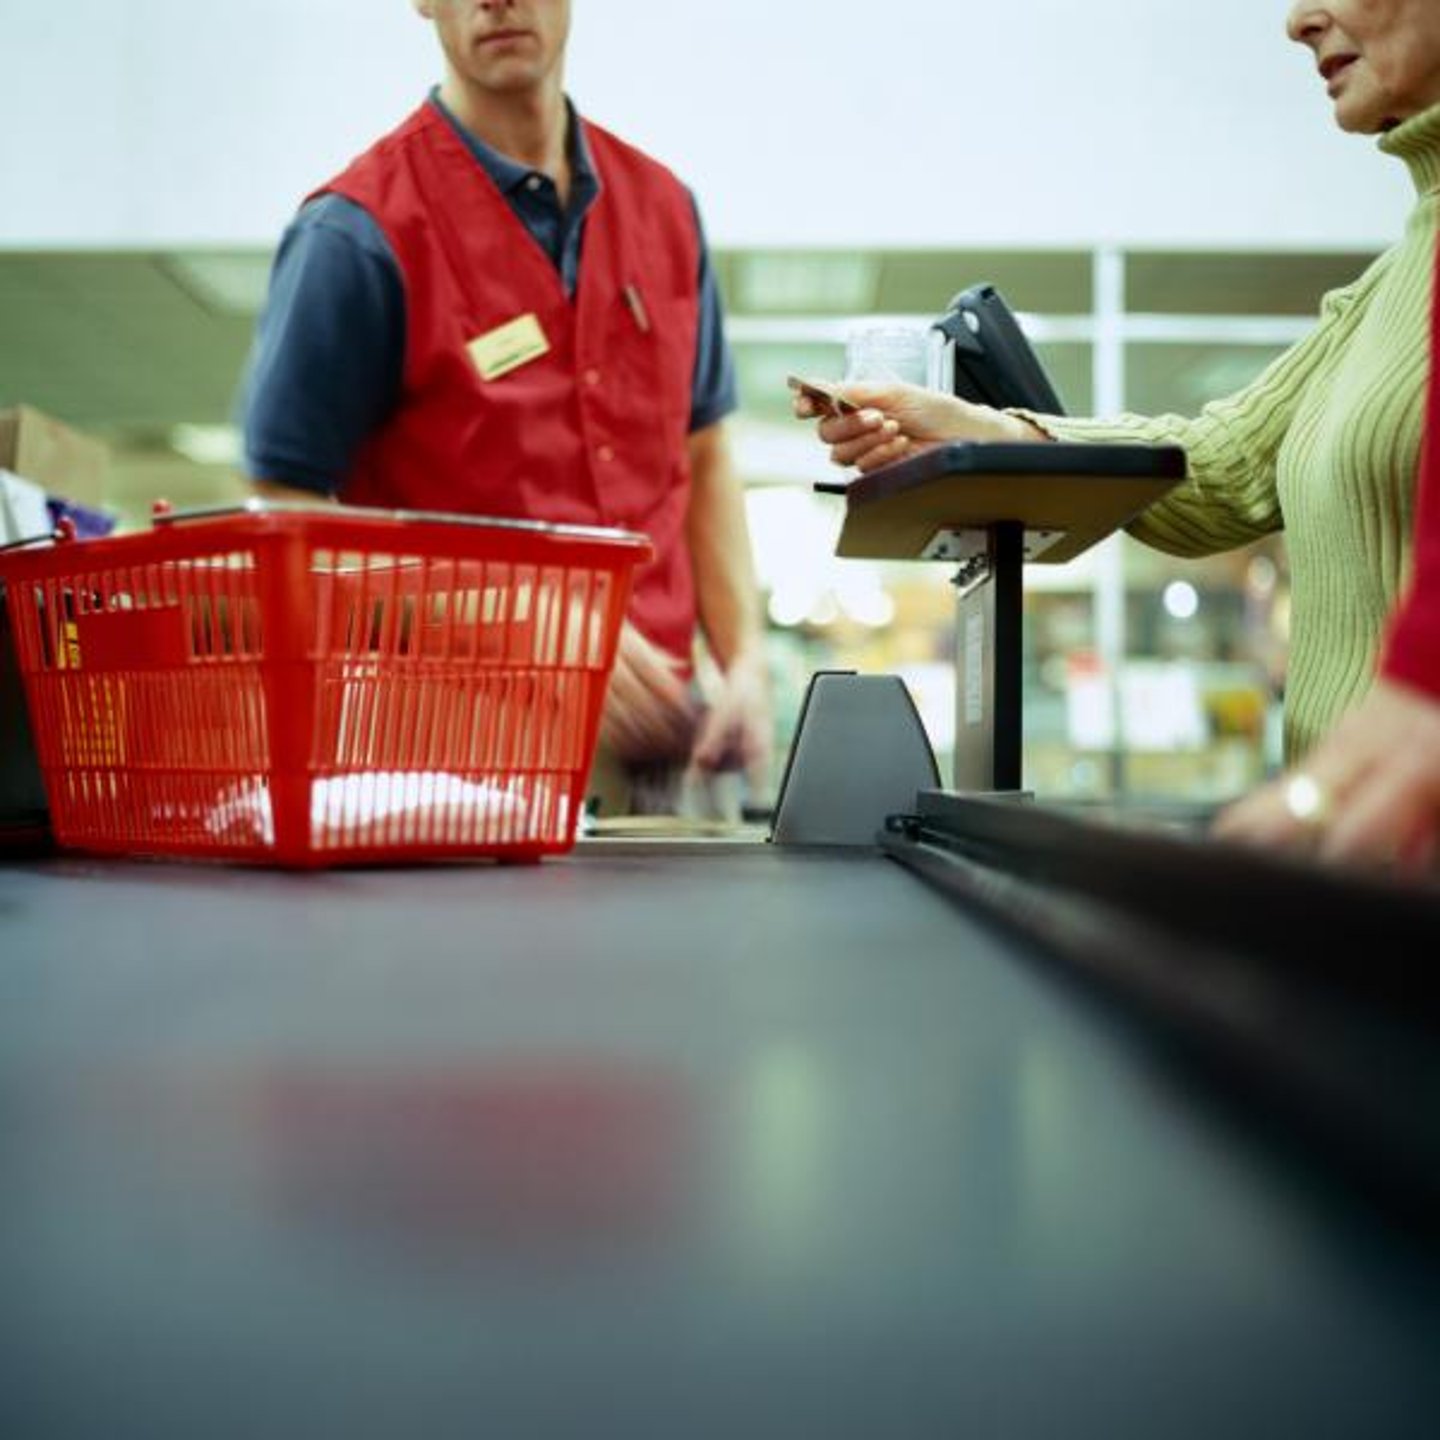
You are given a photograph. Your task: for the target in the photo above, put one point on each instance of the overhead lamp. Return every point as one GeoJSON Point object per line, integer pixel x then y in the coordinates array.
{"type": "Point", "coordinates": [228, 283]}
{"type": "Point", "coordinates": [207, 444]}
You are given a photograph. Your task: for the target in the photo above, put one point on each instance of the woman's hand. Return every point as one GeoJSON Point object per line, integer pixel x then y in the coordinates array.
{"type": "Point", "coordinates": [1368, 793]}
{"type": "Point", "coordinates": [895, 420]}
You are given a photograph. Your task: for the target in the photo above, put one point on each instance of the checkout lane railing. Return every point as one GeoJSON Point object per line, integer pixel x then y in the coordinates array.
{"type": "Point", "coordinates": [1309, 994]}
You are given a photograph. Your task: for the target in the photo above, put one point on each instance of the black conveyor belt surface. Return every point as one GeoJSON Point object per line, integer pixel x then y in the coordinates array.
{"type": "Point", "coordinates": [652, 1140]}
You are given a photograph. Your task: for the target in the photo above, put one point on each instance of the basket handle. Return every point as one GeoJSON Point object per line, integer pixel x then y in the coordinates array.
{"type": "Point", "coordinates": [64, 533]}
{"type": "Point", "coordinates": [162, 512]}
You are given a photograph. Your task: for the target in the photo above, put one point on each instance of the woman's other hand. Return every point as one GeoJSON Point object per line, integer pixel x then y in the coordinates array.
{"type": "Point", "coordinates": [1369, 793]}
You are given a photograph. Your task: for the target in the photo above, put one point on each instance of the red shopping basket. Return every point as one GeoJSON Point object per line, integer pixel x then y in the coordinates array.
{"type": "Point", "coordinates": [312, 687]}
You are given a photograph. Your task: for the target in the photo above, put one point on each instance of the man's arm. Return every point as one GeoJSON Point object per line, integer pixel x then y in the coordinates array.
{"type": "Point", "coordinates": [324, 370]}
{"type": "Point", "coordinates": [736, 731]}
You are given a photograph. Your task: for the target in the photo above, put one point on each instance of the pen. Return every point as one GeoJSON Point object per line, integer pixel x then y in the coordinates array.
{"type": "Point", "coordinates": [637, 309]}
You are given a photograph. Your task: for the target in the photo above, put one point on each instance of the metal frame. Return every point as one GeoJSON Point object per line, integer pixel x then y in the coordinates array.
{"type": "Point", "coordinates": [989, 633]}
{"type": "Point", "coordinates": [1335, 1038]}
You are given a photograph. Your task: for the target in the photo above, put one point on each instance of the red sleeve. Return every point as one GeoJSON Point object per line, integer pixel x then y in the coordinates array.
{"type": "Point", "coordinates": [1412, 651]}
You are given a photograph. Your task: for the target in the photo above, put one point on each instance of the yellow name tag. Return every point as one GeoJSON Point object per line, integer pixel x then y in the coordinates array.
{"type": "Point", "coordinates": [508, 347]}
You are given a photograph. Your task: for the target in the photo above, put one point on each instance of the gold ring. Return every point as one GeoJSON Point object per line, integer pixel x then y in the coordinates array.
{"type": "Point", "coordinates": [1307, 800]}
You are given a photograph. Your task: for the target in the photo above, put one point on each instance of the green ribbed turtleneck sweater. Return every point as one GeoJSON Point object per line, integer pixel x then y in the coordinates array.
{"type": "Point", "coordinates": [1324, 445]}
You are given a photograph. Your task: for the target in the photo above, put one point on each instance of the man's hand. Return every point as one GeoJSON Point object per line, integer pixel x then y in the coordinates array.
{"type": "Point", "coordinates": [1368, 793]}
{"type": "Point", "coordinates": [896, 420]}
{"type": "Point", "coordinates": [649, 714]}
{"type": "Point", "coordinates": [735, 732]}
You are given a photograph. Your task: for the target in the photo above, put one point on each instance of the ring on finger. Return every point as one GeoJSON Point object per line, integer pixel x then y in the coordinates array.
{"type": "Point", "coordinates": [1307, 801]}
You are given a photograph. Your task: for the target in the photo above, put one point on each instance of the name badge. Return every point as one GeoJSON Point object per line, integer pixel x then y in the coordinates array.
{"type": "Point", "coordinates": [508, 347]}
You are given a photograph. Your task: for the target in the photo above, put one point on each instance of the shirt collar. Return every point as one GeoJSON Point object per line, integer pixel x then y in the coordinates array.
{"type": "Point", "coordinates": [509, 175]}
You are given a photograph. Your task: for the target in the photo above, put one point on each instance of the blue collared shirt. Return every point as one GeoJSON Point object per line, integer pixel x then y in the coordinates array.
{"type": "Point", "coordinates": [534, 198]}
{"type": "Point", "coordinates": [328, 359]}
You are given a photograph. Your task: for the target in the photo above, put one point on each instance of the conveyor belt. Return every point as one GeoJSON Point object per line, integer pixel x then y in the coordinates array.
{"type": "Point", "coordinates": [653, 1140]}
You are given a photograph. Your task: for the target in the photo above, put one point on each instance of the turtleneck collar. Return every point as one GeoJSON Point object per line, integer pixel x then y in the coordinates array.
{"type": "Point", "coordinates": [1416, 141]}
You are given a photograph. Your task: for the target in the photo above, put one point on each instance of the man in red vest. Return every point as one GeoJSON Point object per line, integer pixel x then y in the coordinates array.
{"type": "Point", "coordinates": [499, 308]}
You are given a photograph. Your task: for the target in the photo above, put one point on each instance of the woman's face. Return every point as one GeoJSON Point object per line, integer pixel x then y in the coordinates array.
{"type": "Point", "coordinates": [1379, 59]}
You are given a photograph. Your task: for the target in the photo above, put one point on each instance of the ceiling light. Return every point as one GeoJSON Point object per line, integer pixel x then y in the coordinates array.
{"type": "Point", "coordinates": [226, 282]}
{"type": "Point", "coordinates": [207, 444]}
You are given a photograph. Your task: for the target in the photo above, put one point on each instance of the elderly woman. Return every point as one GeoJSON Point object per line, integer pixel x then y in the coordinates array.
{"type": "Point", "coordinates": [1325, 444]}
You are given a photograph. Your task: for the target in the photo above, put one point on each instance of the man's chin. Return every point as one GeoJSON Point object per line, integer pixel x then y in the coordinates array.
{"type": "Point", "coordinates": [508, 79]}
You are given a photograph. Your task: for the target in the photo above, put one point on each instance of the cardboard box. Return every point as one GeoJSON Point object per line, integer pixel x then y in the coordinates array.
{"type": "Point", "coordinates": [61, 461]}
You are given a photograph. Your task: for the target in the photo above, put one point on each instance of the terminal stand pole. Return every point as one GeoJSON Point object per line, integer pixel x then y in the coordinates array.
{"type": "Point", "coordinates": [989, 652]}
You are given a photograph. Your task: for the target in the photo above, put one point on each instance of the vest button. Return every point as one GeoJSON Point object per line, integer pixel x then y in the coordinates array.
{"type": "Point", "coordinates": [592, 378]}
{"type": "Point", "coordinates": [606, 453]}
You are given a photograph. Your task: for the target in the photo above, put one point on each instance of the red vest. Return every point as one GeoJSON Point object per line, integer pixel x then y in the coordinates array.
{"type": "Point", "coordinates": [596, 431]}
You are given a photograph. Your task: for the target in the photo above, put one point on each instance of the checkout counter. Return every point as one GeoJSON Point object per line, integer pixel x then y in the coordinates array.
{"type": "Point", "coordinates": [989, 1121]}
{"type": "Point", "coordinates": [725, 1138]}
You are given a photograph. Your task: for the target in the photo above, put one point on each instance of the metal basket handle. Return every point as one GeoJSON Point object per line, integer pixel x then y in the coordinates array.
{"type": "Point", "coordinates": [64, 533]}
{"type": "Point", "coordinates": [163, 513]}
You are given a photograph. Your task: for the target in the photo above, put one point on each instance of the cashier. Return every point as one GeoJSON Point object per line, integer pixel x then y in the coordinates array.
{"type": "Point", "coordinates": [502, 309]}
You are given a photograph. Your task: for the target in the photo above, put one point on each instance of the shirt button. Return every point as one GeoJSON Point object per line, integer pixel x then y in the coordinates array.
{"type": "Point", "coordinates": [606, 453]}
{"type": "Point", "coordinates": [592, 378]}
{"type": "Point", "coordinates": [534, 182]}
